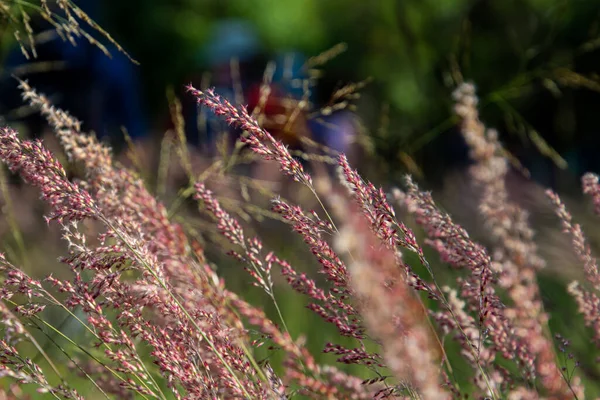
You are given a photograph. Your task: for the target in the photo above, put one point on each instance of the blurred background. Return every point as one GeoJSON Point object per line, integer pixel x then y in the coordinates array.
{"type": "Point", "coordinates": [535, 64]}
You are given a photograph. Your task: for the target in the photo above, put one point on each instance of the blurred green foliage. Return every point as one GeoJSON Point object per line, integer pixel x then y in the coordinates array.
{"type": "Point", "coordinates": [531, 60]}
{"type": "Point", "coordinates": [534, 61]}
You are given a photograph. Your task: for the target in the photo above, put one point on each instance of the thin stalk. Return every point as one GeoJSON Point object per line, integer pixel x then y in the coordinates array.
{"type": "Point", "coordinates": [9, 212]}
{"type": "Point", "coordinates": [58, 303]}
{"type": "Point", "coordinates": [73, 361]}
{"type": "Point", "coordinates": [37, 345]}
{"type": "Point", "coordinates": [68, 339]}
{"type": "Point", "coordinates": [73, 315]}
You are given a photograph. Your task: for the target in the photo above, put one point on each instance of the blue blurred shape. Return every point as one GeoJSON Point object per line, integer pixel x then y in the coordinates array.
{"type": "Point", "coordinates": [231, 38]}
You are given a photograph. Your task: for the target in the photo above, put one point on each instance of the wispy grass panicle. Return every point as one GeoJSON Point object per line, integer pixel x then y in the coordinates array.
{"type": "Point", "coordinates": [392, 312]}
{"type": "Point", "coordinates": [516, 260]}
{"type": "Point", "coordinates": [258, 139]}
{"type": "Point", "coordinates": [591, 187]}
{"type": "Point", "coordinates": [40, 168]}
{"type": "Point", "coordinates": [587, 299]}
{"type": "Point", "coordinates": [456, 248]}
{"type": "Point", "coordinates": [65, 17]}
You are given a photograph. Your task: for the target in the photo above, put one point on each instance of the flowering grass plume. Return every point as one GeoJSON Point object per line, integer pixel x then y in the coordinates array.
{"type": "Point", "coordinates": [159, 320]}
{"type": "Point", "coordinates": [65, 17]}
